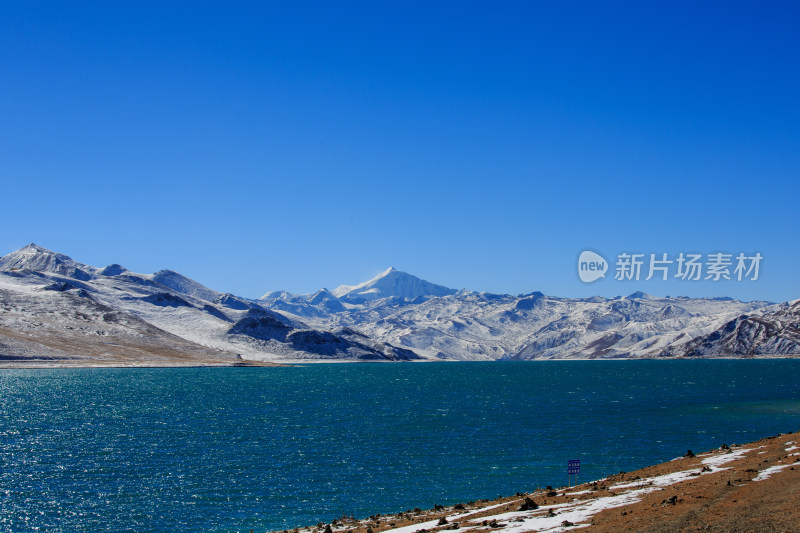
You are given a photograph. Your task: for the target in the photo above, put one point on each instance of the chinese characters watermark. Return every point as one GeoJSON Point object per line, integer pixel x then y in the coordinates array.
{"type": "Point", "coordinates": [684, 266]}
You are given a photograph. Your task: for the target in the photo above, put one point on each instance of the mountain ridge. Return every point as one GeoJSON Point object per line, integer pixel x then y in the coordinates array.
{"type": "Point", "coordinates": [393, 316]}
{"type": "Point", "coordinates": [201, 325]}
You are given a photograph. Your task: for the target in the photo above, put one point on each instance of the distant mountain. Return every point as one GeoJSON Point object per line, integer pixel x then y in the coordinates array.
{"type": "Point", "coordinates": [405, 311]}
{"type": "Point", "coordinates": [639, 295]}
{"type": "Point", "coordinates": [754, 335]}
{"type": "Point", "coordinates": [326, 301]}
{"type": "Point", "coordinates": [391, 283]}
{"type": "Point", "coordinates": [482, 326]}
{"type": "Point", "coordinates": [59, 311]}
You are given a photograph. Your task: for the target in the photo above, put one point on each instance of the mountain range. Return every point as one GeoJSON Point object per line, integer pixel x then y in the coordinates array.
{"type": "Point", "coordinates": [57, 311]}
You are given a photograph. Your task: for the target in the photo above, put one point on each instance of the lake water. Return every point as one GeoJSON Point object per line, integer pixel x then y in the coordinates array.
{"type": "Point", "coordinates": [234, 449]}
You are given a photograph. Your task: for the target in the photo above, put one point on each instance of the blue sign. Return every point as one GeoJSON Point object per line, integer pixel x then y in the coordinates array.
{"type": "Point", "coordinates": [574, 466]}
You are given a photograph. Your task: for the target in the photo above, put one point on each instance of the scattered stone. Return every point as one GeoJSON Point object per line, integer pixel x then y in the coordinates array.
{"type": "Point", "coordinates": [328, 528]}
{"type": "Point", "coordinates": [550, 512]}
{"type": "Point", "coordinates": [567, 523]}
{"type": "Point", "coordinates": [442, 521]}
{"type": "Point", "coordinates": [551, 494]}
{"type": "Point", "coordinates": [528, 505]}
{"type": "Point", "coordinates": [689, 453]}
{"type": "Point", "coordinates": [459, 507]}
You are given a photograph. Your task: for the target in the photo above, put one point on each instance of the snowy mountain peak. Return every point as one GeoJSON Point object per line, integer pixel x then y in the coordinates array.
{"type": "Point", "coordinates": [113, 270]}
{"type": "Point", "coordinates": [33, 247]}
{"type": "Point", "coordinates": [391, 282]}
{"type": "Point", "coordinates": [639, 295]}
{"type": "Point", "coordinates": [278, 295]}
{"type": "Point", "coordinates": [34, 257]}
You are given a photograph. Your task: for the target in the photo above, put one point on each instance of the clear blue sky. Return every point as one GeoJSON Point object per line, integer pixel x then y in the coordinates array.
{"type": "Point", "coordinates": [479, 145]}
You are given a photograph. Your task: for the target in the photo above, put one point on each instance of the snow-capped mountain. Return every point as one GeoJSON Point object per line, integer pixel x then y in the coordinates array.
{"type": "Point", "coordinates": [758, 334]}
{"type": "Point", "coordinates": [56, 321]}
{"type": "Point", "coordinates": [57, 309]}
{"type": "Point", "coordinates": [65, 311]}
{"type": "Point", "coordinates": [483, 326]}
{"type": "Point", "coordinates": [390, 283]}
{"type": "Point", "coordinates": [38, 259]}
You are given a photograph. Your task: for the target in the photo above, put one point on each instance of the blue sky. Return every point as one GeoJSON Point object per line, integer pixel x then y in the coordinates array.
{"type": "Point", "coordinates": [298, 146]}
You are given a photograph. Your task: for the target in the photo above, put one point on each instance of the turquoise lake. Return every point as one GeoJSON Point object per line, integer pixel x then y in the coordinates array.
{"type": "Point", "coordinates": [234, 449]}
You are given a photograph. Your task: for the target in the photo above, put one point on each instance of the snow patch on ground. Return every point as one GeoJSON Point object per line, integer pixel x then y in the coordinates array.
{"type": "Point", "coordinates": [717, 461]}
{"type": "Point", "coordinates": [767, 472]}
{"type": "Point", "coordinates": [551, 518]}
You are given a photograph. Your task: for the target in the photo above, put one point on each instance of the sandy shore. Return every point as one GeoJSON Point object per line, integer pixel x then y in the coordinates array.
{"type": "Point", "coordinates": [753, 487]}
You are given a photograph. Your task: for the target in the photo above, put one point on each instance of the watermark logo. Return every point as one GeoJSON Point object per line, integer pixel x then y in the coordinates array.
{"type": "Point", "coordinates": [591, 266]}
{"type": "Point", "coordinates": [685, 266]}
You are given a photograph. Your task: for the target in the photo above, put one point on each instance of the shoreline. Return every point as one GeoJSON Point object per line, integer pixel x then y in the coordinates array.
{"type": "Point", "coordinates": [253, 363]}
{"type": "Point", "coordinates": [42, 365]}
{"type": "Point", "coordinates": [749, 487]}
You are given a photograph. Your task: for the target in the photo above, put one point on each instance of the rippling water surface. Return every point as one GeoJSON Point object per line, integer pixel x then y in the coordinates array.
{"type": "Point", "coordinates": [234, 449]}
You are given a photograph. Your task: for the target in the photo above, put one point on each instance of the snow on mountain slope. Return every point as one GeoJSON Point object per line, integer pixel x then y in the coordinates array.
{"type": "Point", "coordinates": [36, 258]}
{"type": "Point", "coordinates": [287, 302]}
{"type": "Point", "coordinates": [231, 323]}
{"type": "Point", "coordinates": [184, 285]}
{"type": "Point", "coordinates": [391, 282]}
{"type": "Point", "coordinates": [176, 305]}
{"type": "Point", "coordinates": [47, 322]}
{"type": "Point", "coordinates": [482, 326]}
{"type": "Point", "coordinates": [775, 332]}
{"type": "Point", "coordinates": [395, 316]}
